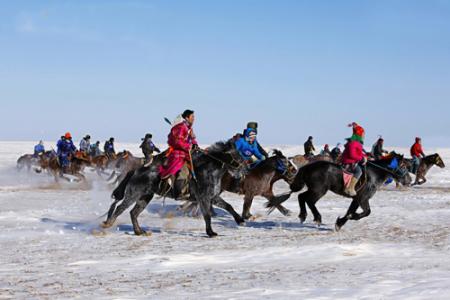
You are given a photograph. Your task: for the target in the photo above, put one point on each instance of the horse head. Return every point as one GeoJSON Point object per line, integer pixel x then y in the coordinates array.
{"type": "Point", "coordinates": [437, 160]}
{"type": "Point", "coordinates": [285, 166]}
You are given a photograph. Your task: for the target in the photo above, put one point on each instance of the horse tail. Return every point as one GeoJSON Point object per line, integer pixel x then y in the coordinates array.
{"type": "Point", "coordinates": [119, 193]}
{"type": "Point", "coordinates": [299, 182]}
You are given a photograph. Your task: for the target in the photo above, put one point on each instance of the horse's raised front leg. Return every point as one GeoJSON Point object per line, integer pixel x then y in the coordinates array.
{"type": "Point", "coordinates": [351, 210]}
{"type": "Point", "coordinates": [219, 202]}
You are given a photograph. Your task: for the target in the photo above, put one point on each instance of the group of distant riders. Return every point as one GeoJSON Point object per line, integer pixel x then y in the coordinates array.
{"type": "Point", "coordinates": [182, 142]}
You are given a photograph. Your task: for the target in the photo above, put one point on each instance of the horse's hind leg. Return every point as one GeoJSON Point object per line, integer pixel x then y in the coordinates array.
{"type": "Point", "coordinates": [141, 204]}
{"type": "Point", "coordinates": [218, 201]}
{"type": "Point", "coordinates": [351, 210]}
{"type": "Point", "coordinates": [302, 203]}
{"type": "Point", "coordinates": [311, 198]}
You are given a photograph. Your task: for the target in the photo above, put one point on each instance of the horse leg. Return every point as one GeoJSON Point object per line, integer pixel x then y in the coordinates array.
{"type": "Point", "coordinates": [311, 199]}
{"type": "Point", "coordinates": [302, 203]}
{"type": "Point", "coordinates": [114, 212]}
{"type": "Point", "coordinates": [270, 196]}
{"type": "Point", "coordinates": [141, 204]}
{"type": "Point", "coordinates": [218, 201]}
{"type": "Point", "coordinates": [365, 206]}
{"type": "Point", "coordinates": [248, 200]}
{"type": "Point", "coordinates": [351, 210]}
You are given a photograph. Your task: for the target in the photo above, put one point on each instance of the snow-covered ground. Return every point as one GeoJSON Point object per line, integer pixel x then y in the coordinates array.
{"type": "Point", "coordinates": [50, 245]}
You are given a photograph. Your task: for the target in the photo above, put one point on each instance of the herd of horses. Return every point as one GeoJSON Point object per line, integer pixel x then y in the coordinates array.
{"type": "Point", "coordinates": [221, 168]}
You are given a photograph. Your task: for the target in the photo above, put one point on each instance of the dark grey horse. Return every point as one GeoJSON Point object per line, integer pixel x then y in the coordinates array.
{"type": "Point", "coordinates": [139, 186]}
{"type": "Point", "coordinates": [321, 177]}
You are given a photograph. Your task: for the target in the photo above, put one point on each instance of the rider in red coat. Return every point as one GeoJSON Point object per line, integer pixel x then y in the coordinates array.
{"type": "Point", "coordinates": [417, 153]}
{"type": "Point", "coordinates": [351, 157]}
{"type": "Point", "coordinates": [181, 140]}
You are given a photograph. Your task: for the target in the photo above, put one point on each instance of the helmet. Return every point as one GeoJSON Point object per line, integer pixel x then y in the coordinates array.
{"type": "Point", "coordinates": [88, 137]}
{"type": "Point", "coordinates": [111, 139]}
{"type": "Point", "coordinates": [68, 135]}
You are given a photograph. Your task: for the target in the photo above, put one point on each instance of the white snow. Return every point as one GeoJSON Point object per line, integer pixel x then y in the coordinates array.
{"type": "Point", "coordinates": [52, 247]}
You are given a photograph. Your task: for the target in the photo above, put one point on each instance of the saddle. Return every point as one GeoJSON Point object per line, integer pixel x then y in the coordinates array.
{"type": "Point", "coordinates": [347, 178]}
{"type": "Point", "coordinates": [177, 187]}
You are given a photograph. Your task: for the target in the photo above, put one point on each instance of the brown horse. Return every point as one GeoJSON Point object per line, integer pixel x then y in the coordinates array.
{"type": "Point", "coordinates": [425, 165]}
{"type": "Point", "coordinates": [125, 163]}
{"type": "Point", "coordinates": [301, 160]}
{"type": "Point", "coordinates": [260, 180]}
{"type": "Point", "coordinates": [77, 164]}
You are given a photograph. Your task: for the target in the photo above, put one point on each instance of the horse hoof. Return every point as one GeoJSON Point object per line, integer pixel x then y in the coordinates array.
{"type": "Point", "coordinates": [142, 233]}
{"type": "Point", "coordinates": [318, 223]}
{"type": "Point", "coordinates": [337, 228]}
{"type": "Point", "coordinates": [105, 225]}
{"type": "Point", "coordinates": [212, 234]}
{"type": "Point", "coordinates": [288, 213]}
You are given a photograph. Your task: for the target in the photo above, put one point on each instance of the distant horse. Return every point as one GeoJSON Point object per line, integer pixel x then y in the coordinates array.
{"type": "Point", "coordinates": [301, 160]}
{"type": "Point", "coordinates": [29, 160]}
{"type": "Point", "coordinates": [141, 185]}
{"type": "Point", "coordinates": [260, 180]}
{"type": "Point", "coordinates": [126, 163]}
{"type": "Point", "coordinates": [321, 177]}
{"type": "Point", "coordinates": [77, 164]}
{"type": "Point", "coordinates": [425, 165]}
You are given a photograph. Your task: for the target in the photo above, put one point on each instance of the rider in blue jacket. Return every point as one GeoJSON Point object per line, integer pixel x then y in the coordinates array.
{"type": "Point", "coordinates": [248, 148]}
{"type": "Point", "coordinates": [66, 149]}
{"type": "Point", "coordinates": [39, 149]}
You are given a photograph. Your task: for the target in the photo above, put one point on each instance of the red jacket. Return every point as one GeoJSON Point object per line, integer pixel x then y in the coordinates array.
{"type": "Point", "coordinates": [416, 150]}
{"type": "Point", "coordinates": [182, 137]}
{"type": "Point", "coordinates": [353, 153]}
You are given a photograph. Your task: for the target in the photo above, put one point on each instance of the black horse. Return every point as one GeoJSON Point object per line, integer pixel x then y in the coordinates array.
{"type": "Point", "coordinates": [209, 167]}
{"type": "Point", "coordinates": [322, 176]}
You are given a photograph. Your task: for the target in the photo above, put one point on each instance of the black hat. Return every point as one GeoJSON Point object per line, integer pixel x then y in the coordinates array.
{"type": "Point", "coordinates": [187, 113]}
{"type": "Point", "coordinates": [148, 136]}
{"type": "Point", "coordinates": [253, 125]}
{"type": "Point", "coordinates": [310, 138]}
{"type": "Point", "coordinates": [111, 139]}
{"type": "Point", "coordinates": [88, 137]}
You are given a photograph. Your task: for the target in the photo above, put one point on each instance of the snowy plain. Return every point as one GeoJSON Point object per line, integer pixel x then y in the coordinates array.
{"type": "Point", "coordinates": [51, 246]}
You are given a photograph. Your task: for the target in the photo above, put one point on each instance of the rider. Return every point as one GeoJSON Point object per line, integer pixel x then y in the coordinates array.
{"type": "Point", "coordinates": [94, 149]}
{"type": "Point", "coordinates": [377, 149]}
{"type": "Point", "coordinates": [325, 151]}
{"type": "Point", "coordinates": [248, 148]}
{"type": "Point", "coordinates": [66, 149]}
{"type": "Point", "coordinates": [39, 149]}
{"type": "Point", "coordinates": [254, 125]}
{"type": "Point", "coordinates": [417, 153]}
{"type": "Point", "coordinates": [351, 158]}
{"type": "Point", "coordinates": [109, 148]}
{"type": "Point", "coordinates": [148, 147]}
{"type": "Point", "coordinates": [336, 152]}
{"type": "Point", "coordinates": [85, 144]}
{"type": "Point", "coordinates": [175, 171]}
{"type": "Point", "coordinates": [309, 147]}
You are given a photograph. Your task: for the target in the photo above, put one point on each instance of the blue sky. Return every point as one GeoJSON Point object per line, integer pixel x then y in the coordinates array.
{"type": "Point", "coordinates": [299, 68]}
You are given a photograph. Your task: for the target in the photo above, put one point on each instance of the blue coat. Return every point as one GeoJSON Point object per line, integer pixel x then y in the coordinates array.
{"type": "Point", "coordinates": [247, 150]}
{"type": "Point", "coordinates": [65, 147]}
{"type": "Point", "coordinates": [39, 149]}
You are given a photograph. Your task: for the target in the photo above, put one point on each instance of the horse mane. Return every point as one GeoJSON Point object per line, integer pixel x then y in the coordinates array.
{"type": "Point", "coordinates": [220, 147]}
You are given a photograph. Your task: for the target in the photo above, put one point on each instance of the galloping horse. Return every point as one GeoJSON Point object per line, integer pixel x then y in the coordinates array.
{"type": "Point", "coordinates": [141, 185]}
{"type": "Point", "coordinates": [260, 180]}
{"type": "Point", "coordinates": [321, 177]}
